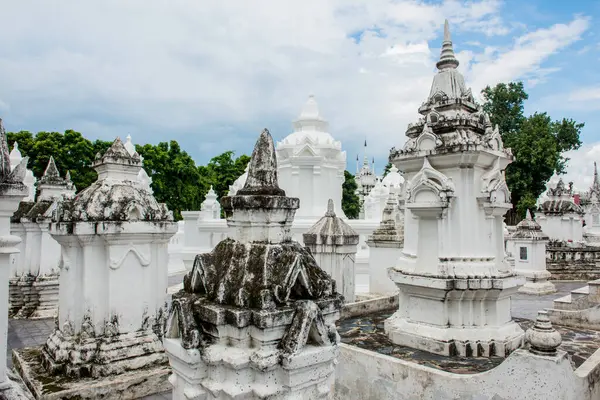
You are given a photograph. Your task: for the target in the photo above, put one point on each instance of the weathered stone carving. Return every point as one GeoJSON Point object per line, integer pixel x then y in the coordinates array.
{"type": "Point", "coordinates": [256, 301]}
{"type": "Point", "coordinates": [543, 339]}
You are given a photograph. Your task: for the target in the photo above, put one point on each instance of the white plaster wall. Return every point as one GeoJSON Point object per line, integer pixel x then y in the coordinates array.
{"type": "Point", "coordinates": [49, 255]}
{"type": "Point", "coordinates": [18, 259]}
{"type": "Point", "coordinates": [568, 227]}
{"type": "Point", "coordinates": [380, 259]}
{"type": "Point", "coordinates": [314, 181]}
{"type": "Point", "coordinates": [123, 274]}
{"type": "Point", "coordinates": [366, 375]}
{"type": "Point", "coordinates": [176, 264]}
{"type": "Point", "coordinates": [200, 236]}
{"type": "Point", "coordinates": [536, 255]}
{"type": "Point", "coordinates": [338, 261]}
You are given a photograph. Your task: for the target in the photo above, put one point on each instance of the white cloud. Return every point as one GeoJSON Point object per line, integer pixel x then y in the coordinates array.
{"type": "Point", "coordinates": [584, 94]}
{"type": "Point", "coordinates": [525, 57]}
{"type": "Point", "coordinates": [215, 72]}
{"type": "Point", "coordinates": [580, 169]}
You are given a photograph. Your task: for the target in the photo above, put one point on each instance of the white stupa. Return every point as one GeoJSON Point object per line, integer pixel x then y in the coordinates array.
{"type": "Point", "coordinates": [311, 164]}
{"type": "Point", "coordinates": [29, 181]}
{"type": "Point", "coordinates": [143, 176]}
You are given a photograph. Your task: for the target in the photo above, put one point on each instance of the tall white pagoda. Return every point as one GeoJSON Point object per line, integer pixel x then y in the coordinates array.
{"type": "Point", "coordinates": [312, 163]}
{"type": "Point", "coordinates": [454, 282]}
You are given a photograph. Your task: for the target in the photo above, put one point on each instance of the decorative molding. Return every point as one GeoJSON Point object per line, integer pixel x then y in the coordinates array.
{"type": "Point", "coordinates": [116, 261]}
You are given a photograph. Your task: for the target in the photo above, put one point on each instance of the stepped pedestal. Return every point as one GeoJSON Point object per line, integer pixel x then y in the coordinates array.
{"type": "Point", "coordinates": [580, 309]}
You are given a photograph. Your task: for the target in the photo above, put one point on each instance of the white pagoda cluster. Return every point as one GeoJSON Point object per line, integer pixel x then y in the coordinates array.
{"type": "Point", "coordinates": [590, 203]}
{"type": "Point", "coordinates": [558, 214]}
{"type": "Point", "coordinates": [34, 273]}
{"type": "Point", "coordinates": [455, 284]}
{"type": "Point", "coordinates": [15, 159]}
{"type": "Point", "coordinates": [311, 164]}
{"type": "Point", "coordinates": [527, 246]}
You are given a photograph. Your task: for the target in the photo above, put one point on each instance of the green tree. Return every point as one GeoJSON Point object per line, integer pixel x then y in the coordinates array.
{"type": "Point", "coordinates": [71, 151]}
{"type": "Point", "coordinates": [537, 142]}
{"type": "Point", "coordinates": [387, 169]}
{"type": "Point", "coordinates": [222, 170]}
{"type": "Point", "coordinates": [350, 201]}
{"type": "Point", "coordinates": [504, 103]}
{"type": "Point", "coordinates": [175, 177]}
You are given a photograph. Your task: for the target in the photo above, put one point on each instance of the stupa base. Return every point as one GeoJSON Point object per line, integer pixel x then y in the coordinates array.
{"type": "Point", "coordinates": [225, 372]}
{"type": "Point", "coordinates": [449, 316]}
{"type": "Point", "coordinates": [47, 290]}
{"type": "Point", "coordinates": [458, 341]}
{"type": "Point", "coordinates": [537, 288]}
{"type": "Point", "coordinates": [128, 385]}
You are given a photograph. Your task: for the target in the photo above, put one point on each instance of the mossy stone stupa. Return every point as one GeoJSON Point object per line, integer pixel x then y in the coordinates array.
{"type": "Point", "coordinates": [256, 316]}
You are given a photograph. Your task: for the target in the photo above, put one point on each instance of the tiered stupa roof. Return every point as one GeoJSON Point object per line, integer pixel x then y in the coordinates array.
{"type": "Point", "coordinates": [452, 121]}
{"type": "Point", "coordinates": [330, 230]}
{"type": "Point", "coordinates": [117, 195]}
{"type": "Point", "coordinates": [529, 229]}
{"type": "Point", "coordinates": [559, 199]}
{"type": "Point", "coordinates": [310, 128]}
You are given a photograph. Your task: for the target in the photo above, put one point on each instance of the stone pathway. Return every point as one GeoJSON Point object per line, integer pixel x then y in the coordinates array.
{"type": "Point", "coordinates": [24, 333]}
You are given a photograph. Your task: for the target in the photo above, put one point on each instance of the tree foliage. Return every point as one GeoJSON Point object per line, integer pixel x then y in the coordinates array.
{"type": "Point", "coordinates": [386, 170]}
{"type": "Point", "coordinates": [350, 201]}
{"type": "Point", "coordinates": [222, 171]}
{"type": "Point", "coordinates": [71, 151]}
{"type": "Point", "coordinates": [176, 180]}
{"type": "Point", "coordinates": [537, 142]}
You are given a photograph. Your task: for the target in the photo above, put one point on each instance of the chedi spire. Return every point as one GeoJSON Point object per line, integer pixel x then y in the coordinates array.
{"type": "Point", "coordinates": [447, 58]}
{"type": "Point", "coordinates": [4, 154]}
{"type": "Point", "coordinates": [262, 172]}
{"type": "Point", "coordinates": [51, 170]}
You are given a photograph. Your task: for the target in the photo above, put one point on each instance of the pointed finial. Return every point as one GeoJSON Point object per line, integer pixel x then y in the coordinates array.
{"type": "Point", "coordinates": [365, 142]}
{"type": "Point", "coordinates": [51, 170]}
{"type": "Point", "coordinates": [4, 154]}
{"type": "Point", "coordinates": [262, 173]}
{"type": "Point", "coordinates": [528, 215]}
{"type": "Point", "coordinates": [310, 109]}
{"type": "Point", "coordinates": [68, 176]}
{"type": "Point", "coordinates": [447, 58]}
{"type": "Point", "coordinates": [16, 147]}
{"type": "Point", "coordinates": [330, 209]}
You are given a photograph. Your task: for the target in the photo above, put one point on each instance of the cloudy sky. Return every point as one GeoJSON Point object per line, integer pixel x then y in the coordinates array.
{"type": "Point", "coordinates": [212, 73]}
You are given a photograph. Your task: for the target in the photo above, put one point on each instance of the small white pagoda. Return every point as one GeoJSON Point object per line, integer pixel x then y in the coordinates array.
{"type": "Point", "coordinates": [210, 209]}
{"type": "Point", "coordinates": [334, 245]}
{"type": "Point", "coordinates": [113, 286]}
{"type": "Point", "coordinates": [591, 205]}
{"type": "Point", "coordinates": [454, 282]}
{"type": "Point", "coordinates": [29, 180]}
{"type": "Point", "coordinates": [558, 214]}
{"type": "Point", "coordinates": [311, 164]}
{"type": "Point", "coordinates": [528, 245]}
{"type": "Point", "coordinates": [143, 176]}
